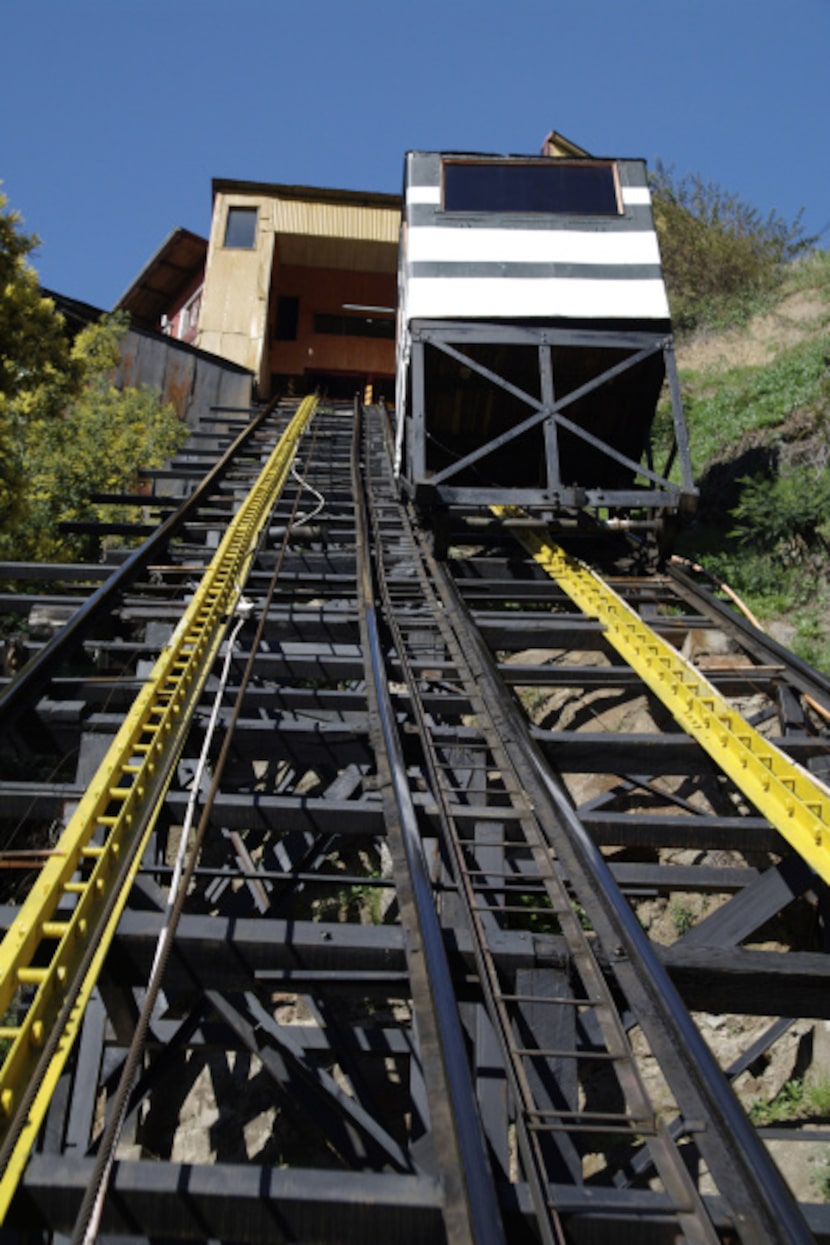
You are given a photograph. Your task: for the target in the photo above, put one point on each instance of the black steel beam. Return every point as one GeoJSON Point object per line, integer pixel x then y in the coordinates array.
{"type": "Point", "coordinates": [734, 980]}
{"type": "Point", "coordinates": [229, 953]}
{"type": "Point", "coordinates": [287, 813]}
{"type": "Point", "coordinates": [594, 752]}
{"type": "Point", "coordinates": [356, 1136]}
{"type": "Point", "coordinates": [744, 915]}
{"type": "Point", "coordinates": [233, 1202]}
{"type": "Point", "coordinates": [734, 682]}
{"type": "Point", "coordinates": [704, 833]}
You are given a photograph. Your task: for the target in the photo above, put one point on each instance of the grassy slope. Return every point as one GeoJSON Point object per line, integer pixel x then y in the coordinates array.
{"type": "Point", "coordinates": [758, 404]}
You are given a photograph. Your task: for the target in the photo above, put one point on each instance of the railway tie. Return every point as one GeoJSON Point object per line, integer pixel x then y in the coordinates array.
{"type": "Point", "coordinates": [406, 990]}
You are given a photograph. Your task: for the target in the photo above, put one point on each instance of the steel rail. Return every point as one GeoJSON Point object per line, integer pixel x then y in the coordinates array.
{"type": "Point", "coordinates": [768, 1212]}
{"type": "Point", "coordinates": [92, 1203]}
{"type": "Point", "coordinates": [808, 681]}
{"type": "Point", "coordinates": [639, 1117]}
{"type": "Point", "coordinates": [480, 1207]}
{"type": "Point", "coordinates": [474, 887]}
{"type": "Point", "coordinates": [58, 953]}
{"type": "Point", "coordinates": [28, 683]}
{"type": "Point", "coordinates": [794, 802]}
{"type": "Point", "coordinates": [547, 1218]}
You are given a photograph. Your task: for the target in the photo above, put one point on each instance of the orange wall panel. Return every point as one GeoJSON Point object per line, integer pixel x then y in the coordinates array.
{"type": "Point", "coordinates": [327, 290]}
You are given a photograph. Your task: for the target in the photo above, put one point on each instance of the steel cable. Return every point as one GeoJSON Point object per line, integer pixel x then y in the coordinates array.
{"type": "Point", "coordinates": [85, 1230]}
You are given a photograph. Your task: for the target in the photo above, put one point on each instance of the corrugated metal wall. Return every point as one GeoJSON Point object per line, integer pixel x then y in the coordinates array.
{"type": "Point", "coordinates": [191, 380]}
{"type": "Point", "coordinates": [336, 220]}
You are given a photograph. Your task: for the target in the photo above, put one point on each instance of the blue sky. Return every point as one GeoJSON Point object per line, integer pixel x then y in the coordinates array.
{"type": "Point", "coordinates": [119, 112]}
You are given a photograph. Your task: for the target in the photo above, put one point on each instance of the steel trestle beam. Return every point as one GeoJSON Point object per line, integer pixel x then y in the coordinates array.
{"type": "Point", "coordinates": [59, 953]}
{"type": "Point", "coordinates": [796, 803]}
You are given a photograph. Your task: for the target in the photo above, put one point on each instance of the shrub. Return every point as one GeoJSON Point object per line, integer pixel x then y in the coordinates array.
{"type": "Point", "coordinates": [98, 444]}
{"type": "Point", "coordinates": [784, 514]}
{"type": "Point", "coordinates": [719, 254]}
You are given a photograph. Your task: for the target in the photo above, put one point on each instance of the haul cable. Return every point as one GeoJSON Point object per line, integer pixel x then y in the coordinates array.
{"type": "Point", "coordinates": [92, 1205]}
{"type": "Point", "coordinates": [107, 834]}
{"type": "Point", "coordinates": [481, 1209]}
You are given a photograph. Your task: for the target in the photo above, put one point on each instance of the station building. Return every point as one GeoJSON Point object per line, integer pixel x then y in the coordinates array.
{"type": "Point", "coordinates": [295, 284]}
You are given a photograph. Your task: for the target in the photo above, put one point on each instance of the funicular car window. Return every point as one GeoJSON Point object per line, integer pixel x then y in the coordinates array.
{"type": "Point", "coordinates": [514, 186]}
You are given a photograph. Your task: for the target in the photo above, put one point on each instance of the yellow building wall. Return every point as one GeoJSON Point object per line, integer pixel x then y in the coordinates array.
{"type": "Point", "coordinates": [339, 252]}
{"type": "Point", "coordinates": [234, 314]}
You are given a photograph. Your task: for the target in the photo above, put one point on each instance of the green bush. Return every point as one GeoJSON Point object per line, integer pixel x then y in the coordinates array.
{"type": "Point", "coordinates": [786, 514]}
{"type": "Point", "coordinates": [719, 254]}
{"type": "Point", "coordinates": [97, 443]}
{"type": "Point", "coordinates": [66, 431]}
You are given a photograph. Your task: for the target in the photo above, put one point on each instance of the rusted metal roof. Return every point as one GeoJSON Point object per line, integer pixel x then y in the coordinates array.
{"type": "Point", "coordinates": [173, 266]}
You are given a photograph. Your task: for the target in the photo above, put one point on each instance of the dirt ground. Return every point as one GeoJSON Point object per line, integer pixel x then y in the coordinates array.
{"type": "Point", "coordinates": [800, 316]}
{"type": "Point", "coordinates": [804, 1051]}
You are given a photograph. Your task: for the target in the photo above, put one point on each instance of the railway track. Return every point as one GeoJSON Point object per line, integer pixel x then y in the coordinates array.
{"type": "Point", "coordinates": [324, 931]}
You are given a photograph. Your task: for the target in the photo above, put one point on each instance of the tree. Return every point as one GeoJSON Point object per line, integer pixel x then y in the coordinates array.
{"type": "Point", "coordinates": [98, 444]}
{"type": "Point", "coordinates": [36, 373]}
{"type": "Point", "coordinates": [66, 431]}
{"type": "Point", "coordinates": [34, 351]}
{"type": "Point", "coordinates": [718, 253]}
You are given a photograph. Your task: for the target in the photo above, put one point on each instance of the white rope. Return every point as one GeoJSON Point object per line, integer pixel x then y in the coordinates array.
{"type": "Point", "coordinates": [243, 610]}
{"type": "Point", "coordinates": [303, 483]}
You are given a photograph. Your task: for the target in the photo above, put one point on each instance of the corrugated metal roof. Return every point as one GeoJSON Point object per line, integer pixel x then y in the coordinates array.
{"type": "Point", "coordinates": [337, 220]}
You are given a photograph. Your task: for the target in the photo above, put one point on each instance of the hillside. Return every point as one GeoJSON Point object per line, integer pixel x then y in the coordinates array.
{"type": "Point", "coordinates": [757, 401]}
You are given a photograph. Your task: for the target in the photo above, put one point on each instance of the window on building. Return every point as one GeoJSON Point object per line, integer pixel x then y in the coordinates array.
{"type": "Point", "coordinates": [353, 326]}
{"type": "Point", "coordinates": [190, 312]}
{"type": "Point", "coordinates": [240, 230]}
{"type": "Point", "coordinates": [552, 186]}
{"type": "Point", "coordinates": [286, 318]}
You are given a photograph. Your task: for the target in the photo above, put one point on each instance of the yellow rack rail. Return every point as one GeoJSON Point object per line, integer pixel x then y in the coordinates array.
{"type": "Point", "coordinates": [50, 960]}
{"type": "Point", "coordinates": [795, 803]}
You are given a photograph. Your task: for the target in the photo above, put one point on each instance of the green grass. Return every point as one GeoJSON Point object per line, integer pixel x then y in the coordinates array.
{"type": "Point", "coordinates": [810, 272]}
{"type": "Point", "coordinates": [796, 1100]}
{"type": "Point", "coordinates": [820, 1178]}
{"type": "Point", "coordinates": [721, 408]}
{"type": "Point", "coordinates": [682, 917]}
{"type": "Point", "coordinates": [779, 566]}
